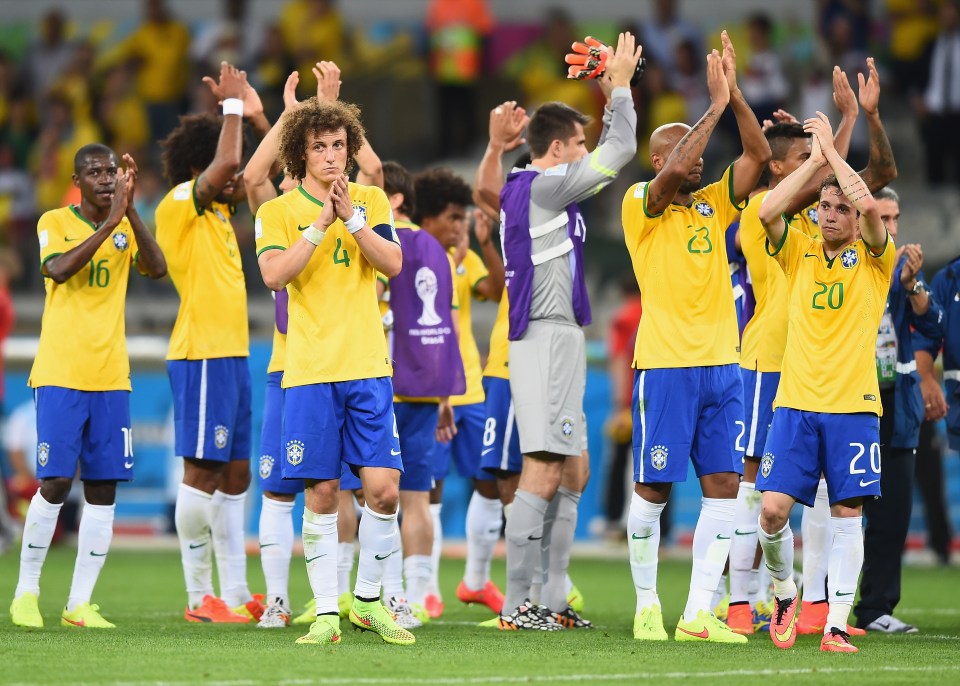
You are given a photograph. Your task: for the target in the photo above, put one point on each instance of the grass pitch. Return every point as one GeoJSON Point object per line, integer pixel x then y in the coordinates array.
{"type": "Point", "coordinates": [142, 592]}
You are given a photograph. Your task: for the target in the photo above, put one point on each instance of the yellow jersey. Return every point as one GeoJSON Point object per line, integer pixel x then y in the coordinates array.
{"type": "Point", "coordinates": [466, 277]}
{"type": "Point", "coordinates": [204, 263]}
{"type": "Point", "coordinates": [83, 342]}
{"type": "Point", "coordinates": [334, 329]}
{"type": "Point", "coordinates": [680, 260]}
{"type": "Point", "coordinates": [765, 335]}
{"type": "Point", "coordinates": [498, 361]}
{"type": "Point", "coordinates": [835, 308]}
{"type": "Point", "coordinates": [278, 352]}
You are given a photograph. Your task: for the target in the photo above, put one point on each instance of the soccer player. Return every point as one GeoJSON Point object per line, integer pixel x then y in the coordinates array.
{"type": "Point", "coordinates": [442, 201]}
{"type": "Point", "coordinates": [826, 417]}
{"type": "Point", "coordinates": [81, 375]}
{"type": "Point", "coordinates": [688, 394]}
{"type": "Point", "coordinates": [543, 236]}
{"type": "Point", "coordinates": [765, 337]}
{"type": "Point", "coordinates": [338, 397]}
{"type": "Point", "coordinates": [209, 346]}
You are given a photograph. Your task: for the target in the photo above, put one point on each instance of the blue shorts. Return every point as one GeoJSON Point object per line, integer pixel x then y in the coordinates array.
{"type": "Point", "coordinates": [417, 426]}
{"type": "Point", "coordinates": [465, 446]}
{"type": "Point", "coordinates": [759, 390]}
{"type": "Point", "coordinates": [327, 424]}
{"type": "Point", "coordinates": [89, 427]}
{"type": "Point", "coordinates": [271, 438]}
{"type": "Point", "coordinates": [348, 480]}
{"type": "Point", "coordinates": [501, 454]}
{"type": "Point", "coordinates": [212, 414]}
{"type": "Point", "coordinates": [802, 445]}
{"type": "Point", "coordinates": [687, 412]}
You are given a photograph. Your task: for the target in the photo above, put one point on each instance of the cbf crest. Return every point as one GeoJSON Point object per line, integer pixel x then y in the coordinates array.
{"type": "Point", "coordinates": [849, 258]}
{"type": "Point", "coordinates": [120, 241]}
{"type": "Point", "coordinates": [658, 456]}
{"type": "Point", "coordinates": [266, 466]}
{"type": "Point", "coordinates": [813, 216]}
{"type": "Point", "coordinates": [220, 435]}
{"type": "Point", "coordinates": [361, 211]}
{"type": "Point", "coordinates": [43, 454]}
{"type": "Point", "coordinates": [704, 208]}
{"type": "Point", "coordinates": [294, 452]}
{"type": "Point", "coordinates": [566, 426]}
{"type": "Point", "coordinates": [766, 464]}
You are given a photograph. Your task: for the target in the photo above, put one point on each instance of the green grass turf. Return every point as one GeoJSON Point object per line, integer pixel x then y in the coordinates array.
{"type": "Point", "coordinates": [142, 592]}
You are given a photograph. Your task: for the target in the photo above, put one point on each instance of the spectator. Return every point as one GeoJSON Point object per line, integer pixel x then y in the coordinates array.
{"type": "Point", "coordinates": [939, 108]}
{"type": "Point", "coordinates": [764, 84]}
{"type": "Point", "coordinates": [690, 80]}
{"type": "Point", "coordinates": [854, 13]}
{"type": "Point", "coordinates": [664, 32]}
{"type": "Point", "coordinates": [61, 135]}
{"type": "Point", "coordinates": [313, 30]}
{"type": "Point", "coordinates": [122, 114]}
{"type": "Point", "coordinates": [232, 38]}
{"type": "Point", "coordinates": [659, 105]}
{"type": "Point", "coordinates": [913, 27]}
{"type": "Point", "coordinates": [47, 58]}
{"type": "Point", "coordinates": [273, 65]}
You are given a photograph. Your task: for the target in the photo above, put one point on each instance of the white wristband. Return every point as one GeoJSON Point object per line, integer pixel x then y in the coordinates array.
{"type": "Point", "coordinates": [233, 106]}
{"type": "Point", "coordinates": [355, 223]}
{"type": "Point", "coordinates": [313, 234]}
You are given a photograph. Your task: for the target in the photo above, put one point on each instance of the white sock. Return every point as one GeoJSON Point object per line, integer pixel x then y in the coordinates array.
{"type": "Point", "coordinates": [192, 518]}
{"type": "Point", "coordinates": [233, 585]}
{"type": "Point", "coordinates": [643, 539]}
{"type": "Point", "coordinates": [93, 544]}
{"type": "Point", "coordinates": [276, 547]}
{"type": "Point", "coordinates": [393, 572]}
{"type": "Point", "coordinates": [434, 586]}
{"type": "Point", "coordinates": [379, 538]}
{"type": "Point", "coordinates": [37, 533]}
{"type": "Point", "coordinates": [416, 569]}
{"type": "Point", "coordinates": [720, 592]}
{"type": "Point", "coordinates": [743, 544]}
{"type": "Point", "coordinates": [817, 540]}
{"type": "Point", "coordinates": [484, 517]}
{"type": "Point", "coordinates": [760, 581]}
{"type": "Point", "coordinates": [218, 532]}
{"type": "Point", "coordinates": [846, 561]}
{"type": "Point", "coordinates": [344, 566]}
{"type": "Point", "coordinates": [320, 553]}
{"type": "Point", "coordinates": [778, 551]}
{"type": "Point", "coordinates": [711, 547]}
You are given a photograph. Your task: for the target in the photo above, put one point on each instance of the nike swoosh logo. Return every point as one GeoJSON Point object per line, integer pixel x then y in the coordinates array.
{"type": "Point", "coordinates": [35, 547]}
{"type": "Point", "coordinates": [70, 240]}
{"type": "Point", "coordinates": [864, 484]}
{"type": "Point", "coordinates": [744, 533]}
{"type": "Point", "coordinates": [493, 531]}
{"type": "Point", "coordinates": [128, 465]}
{"type": "Point", "coordinates": [394, 453]}
{"type": "Point", "coordinates": [70, 621]}
{"type": "Point", "coordinates": [786, 634]}
{"type": "Point", "coordinates": [194, 546]}
{"type": "Point", "coordinates": [266, 545]}
{"type": "Point", "coordinates": [97, 554]}
{"type": "Point", "coordinates": [640, 538]}
{"type": "Point", "coordinates": [839, 594]}
{"type": "Point", "coordinates": [311, 559]}
{"type": "Point", "coordinates": [721, 537]}
{"type": "Point", "coordinates": [488, 450]}
{"type": "Point", "coordinates": [698, 634]}
{"type": "Point", "coordinates": [884, 626]}
{"type": "Point", "coordinates": [534, 538]}
{"type": "Point", "coordinates": [302, 228]}
{"type": "Point", "coordinates": [384, 557]}
{"type": "Point", "coordinates": [809, 255]}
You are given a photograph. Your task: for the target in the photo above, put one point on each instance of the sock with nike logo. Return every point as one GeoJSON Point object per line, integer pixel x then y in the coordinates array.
{"type": "Point", "coordinates": [484, 517]}
{"type": "Point", "coordinates": [524, 536]}
{"type": "Point", "coordinates": [778, 551]}
{"type": "Point", "coordinates": [817, 540]}
{"type": "Point", "coordinates": [192, 518]}
{"type": "Point", "coordinates": [276, 546]}
{"type": "Point", "coordinates": [558, 554]}
{"type": "Point", "coordinates": [711, 546]}
{"type": "Point", "coordinates": [743, 545]}
{"type": "Point", "coordinates": [643, 539]}
{"type": "Point", "coordinates": [379, 539]}
{"type": "Point", "coordinates": [233, 532]}
{"type": "Point", "coordinates": [37, 533]}
{"type": "Point", "coordinates": [846, 560]}
{"type": "Point", "coordinates": [320, 553]}
{"type": "Point", "coordinates": [93, 543]}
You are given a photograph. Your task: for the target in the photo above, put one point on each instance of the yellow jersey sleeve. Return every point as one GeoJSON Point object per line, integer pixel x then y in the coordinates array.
{"type": "Point", "coordinates": [498, 360]}
{"type": "Point", "coordinates": [455, 301]}
{"type": "Point", "coordinates": [476, 272]}
{"type": "Point", "coordinates": [793, 246]}
{"type": "Point", "coordinates": [470, 272]}
{"type": "Point", "coordinates": [270, 228]}
{"type": "Point", "coordinates": [52, 236]}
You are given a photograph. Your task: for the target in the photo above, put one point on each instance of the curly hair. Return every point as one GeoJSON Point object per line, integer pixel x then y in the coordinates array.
{"type": "Point", "coordinates": [191, 146]}
{"type": "Point", "coordinates": [437, 188]}
{"type": "Point", "coordinates": [314, 117]}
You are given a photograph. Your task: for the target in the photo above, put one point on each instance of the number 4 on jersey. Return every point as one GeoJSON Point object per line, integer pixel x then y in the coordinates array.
{"type": "Point", "coordinates": [340, 255]}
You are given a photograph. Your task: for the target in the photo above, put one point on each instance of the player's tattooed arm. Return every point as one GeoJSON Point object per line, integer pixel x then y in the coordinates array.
{"type": "Point", "coordinates": [881, 168]}
{"type": "Point", "coordinates": [686, 154]}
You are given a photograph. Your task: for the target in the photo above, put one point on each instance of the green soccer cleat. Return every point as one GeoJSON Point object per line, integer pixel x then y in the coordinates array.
{"type": "Point", "coordinates": [309, 614]}
{"type": "Point", "coordinates": [706, 627]}
{"type": "Point", "coordinates": [24, 611]}
{"type": "Point", "coordinates": [575, 599]}
{"type": "Point", "coordinates": [492, 623]}
{"type": "Point", "coordinates": [86, 615]}
{"type": "Point", "coordinates": [648, 625]}
{"type": "Point", "coordinates": [720, 611]}
{"type": "Point", "coordinates": [324, 631]}
{"type": "Point", "coordinates": [375, 617]}
{"type": "Point", "coordinates": [344, 603]}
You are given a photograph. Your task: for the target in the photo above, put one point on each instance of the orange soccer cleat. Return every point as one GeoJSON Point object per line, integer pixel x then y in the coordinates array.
{"type": "Point", "coordinates": [740, 618]}
{"type": "Point", "coordinates": [813, 617]}
{"type": "Point", "coordinates": [489, 595]}
{"type": "Point", "coordinates": [837, 641]}
{"type": "Point", "coordinates": [783, 624]}
{"type": "Point", "coordinates": [214, 610]}
{"type": "Point", "coordinates": [433, 605]}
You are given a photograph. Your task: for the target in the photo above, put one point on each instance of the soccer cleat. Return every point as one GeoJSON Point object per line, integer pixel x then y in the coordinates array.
{"type": "Point", "coordinates": [252, 609]}
{"type": "Point", "coordinates": [24, 611]}
{"type": "Point", "coordinates": [888, 624]}
{"type": "Point", "coordinates": [309, 614]}
{"type": "Point", "coordinates": [214, 610]}
{"type": "Point", "coordinates": [344, 603]}
{"type": "Point", "coordinates": [648, 625]}
{"type": "Point", "coordinates": [720, 610]}
{"type": "Point", "coordinates": [575, 599]}
{"type": "Point", "coordinates": [420, 612]}
{"type": "Point", "coordinates": [375, 617]}
{"type": "Point", "coordinates": [813, 615]}
{"type": "Point", "coordinates": [528, 617]}
{"type": "Point", "coordinates": [783, 624]}
{"type": "Point", "coordinates": [740, 618]}
{"type": "Point", "coordinates": [762, 612]}
{"type": "Point", "coordinates": [492, 623]}
{"type": "Point", "coordinates": [489, 595]}
{"type": "Point", "coordinates": [325, 630]}
{"type": "Point", "coordinates": [837, 641]}
{"type": "Point", "coordinates": [403, 613]}
{"type": "Point", "coordinates": [87, 616]}
{"type": "Point", "coordinates": [706, 627]}
{"type": "Point", "coordinates": [569, 619]}
{"type": "Point", "coordinates": [275, 616]}
{"type": "Point", "coordinates": [434, 605]}
{"type": "Point", "coordinates": [856, 631]}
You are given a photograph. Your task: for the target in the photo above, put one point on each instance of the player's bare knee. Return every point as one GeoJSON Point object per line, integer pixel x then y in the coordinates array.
{"type": "Point", "coordinates": [203, 476]}
{"type": "Point", "coordinates": [488, 489]}
{"type": "Point", "coordinates": [55, 490]}
{"type": "Point", "coordinates": [236, 478]}
{"type": "Point", "coordinates": [773, 517]}
{"type": "Point", "coordinates": [100, 492]}
{"type": "Point", "coordinates": [383, 498]}
{"type": "Point", "coordinates": [653, 493]}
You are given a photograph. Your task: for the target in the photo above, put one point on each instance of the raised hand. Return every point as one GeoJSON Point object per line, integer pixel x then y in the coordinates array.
{"type": "Point", "coordinates": [729, 60]}
{"type": "Point", "coordinates": [252, 106]}
{"type": "Point", "coordinates": [328, 214]}
{"type": "Point", "coordinates": [816, 152]}
{"type": "Point", "coordinates": [328, 81]}
{"type": "Point", "coordinates": [780, 116]}
{"type": "Point", "coordinates": [507, 122]}
{"type": "Point", "coordinates": [132, 171]}
{"type": "Point", "coordinates": [446, 423]}
{"type": "Point", "coordinates": [869, 88]}
{"type": "Point", "coordinates": [843, 96]}
{"type": "Point", "coordinates": [340, 194]}
{"type": "Point", "coordinates": [820, 127]}
{"type": "Point", "coordinates": [622, 64]}
{"type": "Point", "coordinates": [911, 268]}
{"type": "Point", "coordinates": [232, 84]}
{"type": "Point", "coordinates": [482, 226]}
{"type": "Point", "coordinates": [717, 84]}
{"type": "Point", "coordinates": [290, 91]}
{"type": "Point", "coordinates": [121, 196]}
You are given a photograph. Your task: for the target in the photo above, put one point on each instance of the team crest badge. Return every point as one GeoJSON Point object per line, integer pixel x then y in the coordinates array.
{"type": "Point", "coordinates": [120, 241]}
{"type": "Point", "coordinates": [766, 464]}
{"type": "Point", "coordinates": [220, 435]}
{"type": "Point", "coordinates": [361, 211]}
{"type": "Point", "coordinates": [704, 209]}
{"type": "Point", "coordinates": [566, 426]}
{"type": "Point", "coordinates": [266, 466]}
{"type": "Point", "coordinates": [43, 454]}
{"type": "Point", "coordinates": [294, 452]}
{"type": "Point", "coordinates": [658, 456]}
{"type": "Point", "coordinates": [849, 258]}
{"type": "Point", "coordinates": [813, 216]}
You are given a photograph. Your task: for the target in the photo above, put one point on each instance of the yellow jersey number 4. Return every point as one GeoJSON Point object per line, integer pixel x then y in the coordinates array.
{"type": "Point", "coordinates": [340, 255]}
